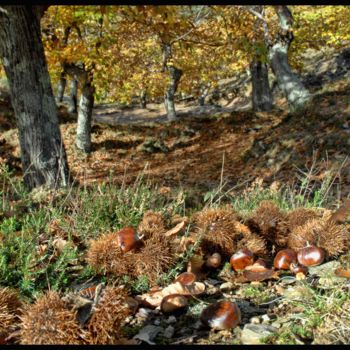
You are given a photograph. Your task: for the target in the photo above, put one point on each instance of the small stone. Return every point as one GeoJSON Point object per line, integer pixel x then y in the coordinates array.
{"type": "Point", "coordinates": [255, 320]}
{"type": "Point", "coordinates": [197, 325]}
{"type": "Point", "coordinates": [227, 286]}
{"type": "Point", "coordinates": [254, 333]}
{"type": "Point", "coordinates": [171, 319]}
{"type": "Point", "coordinates": [148, 333]}
{"type": "Point", "coordinates": [265, 318]}
{"type": "Point", "coordinates": [156, 322]}
{"type": "Point", "coordinates": [169, 332]}
{"type": "Point", "coordinates": [143, 313]}
{"type": "Point", "coordinates": [276, 324]}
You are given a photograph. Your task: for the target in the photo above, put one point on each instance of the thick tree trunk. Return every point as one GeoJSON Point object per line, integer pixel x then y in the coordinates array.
{"type": "Point", "coordinates": [42, 152]}
{"type": "Point", "coordinates": [61, 86]}
{"type": "Point", "coordinates": [143, 98]}
{"type": "Point", "coordinates": [289, 82]}
{"type": "Point", "coordinates": [83, 141]}
{"type": "Point", "coordinates": [73, 98]}
{"type": "Point", "coordinates": [175, 76]}
{"type": "Point", "coordinates": [261, 93]}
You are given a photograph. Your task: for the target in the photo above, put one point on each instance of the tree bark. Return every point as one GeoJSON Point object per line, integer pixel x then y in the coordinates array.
{"type": "Point", "coordinates": [261, 93]}
{"type": "Point", "coordinates": [143, 98]}
{"type": "Point", "coordinates": [203, 93]}
{"type": "Point", "coordinates": [175, 76]}
{"type": "Point", "coordinates": [289, 82]}
{"type": "Point", "coordinates": [61, 87]}
{"type": "Point", "coordinates": [73, 97]}
{"type": "Point", "coordinates": [43, 156]}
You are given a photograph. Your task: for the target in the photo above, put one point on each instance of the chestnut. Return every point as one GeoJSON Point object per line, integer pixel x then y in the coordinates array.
{"type": "Point", "coordinates": [221, 315]}
{"type": "Point", "coordinates": [173, 302]}
{"type": "Point", "coordinates": [284, 258]}
{"type": "Point", "coordinates": [128, 239]}
{"type": "Point", "coordinates": [186, 278]}
{"type": "Point", "coordinates": [311, 256]}
{"type": "Point", "coordinates": [213, 261]}
{"type": "Point", "coordinates": [241, 259]}
{"type": "Point", "coordinates": [260, 262]}
{"type": "Point", "coordinates": [257, 272]}
{"type": "Point", "coordinates": [296, 268]}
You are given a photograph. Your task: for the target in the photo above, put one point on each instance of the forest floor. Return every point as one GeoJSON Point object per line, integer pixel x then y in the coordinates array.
{"type": "Point", "coordinates": [227, 157]}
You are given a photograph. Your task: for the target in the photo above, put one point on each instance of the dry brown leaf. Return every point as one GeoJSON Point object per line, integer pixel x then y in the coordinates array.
{"type": "Point", "coordinates": [175, 230]}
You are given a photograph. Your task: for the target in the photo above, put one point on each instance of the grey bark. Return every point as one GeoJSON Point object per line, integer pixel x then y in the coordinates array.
{"type": "Point", "coordinates": [203, 93]}
{"type": "Point", "coordinates": [43, 156]}
{"type": "Point", "coordinates": [175, 76]}
{"type": "Point", "coordinates": [61, 86]}
{"type": "Point", "coordinates": [143, 98]}
{"type": "Point", "coordinates": [73, 97]}
{"type": "Point", "coordinates": [86, 104]}
{"type": "Point", "coordinates": [261, 93]}
{"type": "Point", "coordinates": [289, 82]}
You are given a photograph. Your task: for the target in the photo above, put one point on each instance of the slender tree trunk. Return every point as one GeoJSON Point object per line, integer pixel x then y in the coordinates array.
{"type": "Point", "coordinates": [203, 93]}
{"type": "Point", "coordinates": [61, 86]}
{"type": "Point", "coordinates": [83, 140]}
{"type": "Point", "coordinates": [73, 100]}
{"type": "Point", "coordinates": [289, 82]}
{"type": "Point", "coordinates": [143, 98]}
{"type": "Point", "coordinates": [86, 104]}
{"type": "Point", "coordinates": [175, 76]}
{"type": "Point", "coordinates": [261, 93]}
{"type": "Point", "coordinates": [42, 152]}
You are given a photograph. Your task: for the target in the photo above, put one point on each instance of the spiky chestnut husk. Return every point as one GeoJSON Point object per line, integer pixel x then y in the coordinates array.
{"type": "Point", "coordinates": [49, 321]}
{"type": "Point", "coordinates": [157, 256]}
{"type": "Point", "coordinates": [151, 260]}
{"type": "Point", "coordinates": [321, 233]}
{"type": "Point", "coordinates": [152, 224]}
{"type": "Point", "coordinates": [104, 254]}
{"type": "Point", "coordinates": [299, 217]}
{"type": "Point", "coordinates": [9, 311]}
{"type": "Point", "coordinates": [268, 221]}
{"type": "Point", "coordinates": [256, 244]}
{"type": "Point", "coordinates": [106, 320]}
{"type": "Point", "coordinates": [218, 231]}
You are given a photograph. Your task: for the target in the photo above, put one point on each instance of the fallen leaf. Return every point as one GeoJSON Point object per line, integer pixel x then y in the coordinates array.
{"type": "Point", "coordinates": [175, 230]}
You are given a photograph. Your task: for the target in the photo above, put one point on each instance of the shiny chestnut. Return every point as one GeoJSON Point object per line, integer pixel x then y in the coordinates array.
{"type": "Point", "coordinates": [311, 256]}
{"type": "Point", "coordinates": [221, 315]}
{"type": "Point", "coordinates": [186, 278]}
{"type": "Point", "coordinates": [284, 258]}
{"type": "Point", "coordinates": [296, 268]}
{"type": "Point", "coordinates": [173, 302]}
{"type": "Point", "coordinates": [128, 239]}
{"type": "Point", "coordinates": [241, 259]}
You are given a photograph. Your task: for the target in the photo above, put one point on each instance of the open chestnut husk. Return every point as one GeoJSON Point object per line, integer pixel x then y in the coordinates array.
{"type": "Point", "coordinates": [311, 256]}
{"type": "Point", "coordinates": [128, 239]}
{"type": "Point", "coordinates": [241, 259]}
{"type": "Point", "coordinates": [284, 258]}
{"type": "Point", "coordinates": [221, 315]}
{"type": "Point", "coordinates": [173, 303]}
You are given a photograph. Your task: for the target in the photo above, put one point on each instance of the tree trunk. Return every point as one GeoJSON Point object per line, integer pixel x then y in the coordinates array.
{"type": "Point", "coordinates": [261, 93]}
{"type": "Point", "coordinates": [83, 141]}
{"type": "Point", "coordinates": [42, 152]}
{"type": "Point", "coordinates": [61, 87]}
{"type": "Point", "coordinates": [73, 100]}
{"type": "Point", "coordinates": [289, 82]}
{"type": "Point", "coordinates": [175, 75]}
{"type": "Point", "coordinates": [143, 98]}
{"type": "Point", "coordinates": [203, 93]}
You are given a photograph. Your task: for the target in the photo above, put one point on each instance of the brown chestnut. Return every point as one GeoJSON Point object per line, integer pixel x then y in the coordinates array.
{"type": "Point", "coordinates": [241, 259]}
{"type": "Point", "coordinates": [284, 258]}
{"type": "Point", "coordinates": [296, 268]}
{"type": "Point", "coordinates": [221, 315]}
{"type": "Point", "coordinates": [186, 278]}
{"type": "Point", "coordinates": [311, 256]}
{"type": "Point", "coordinates": [128, 239]}
{"type": "Point", "coordinates": [213, 261]}
{"type": "Point", "coordinates": [257, 272]}
{"type": "Point", "coordinates": [173, 302]}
